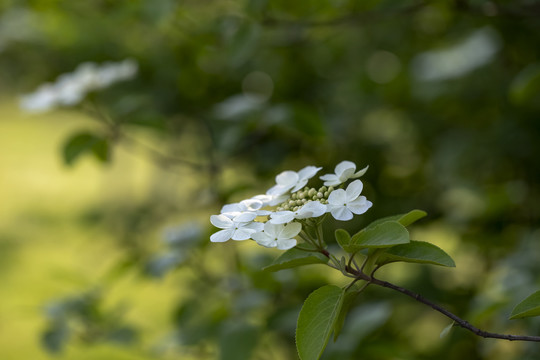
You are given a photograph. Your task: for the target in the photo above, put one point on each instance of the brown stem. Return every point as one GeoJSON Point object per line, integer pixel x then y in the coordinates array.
{"type": "Point", "coordinates": [459, 321]}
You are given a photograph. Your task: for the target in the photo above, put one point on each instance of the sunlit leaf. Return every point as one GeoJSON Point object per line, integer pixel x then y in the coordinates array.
{"type": "Point", "coordinates": [384, 235]}
{"type": "Point", "coordinates": [416, 252]}
{"type": "Point", "coordinates": [316, 321]}
{"type": "Point", "coordinates": [528, 307]}
{"type": "Point", "coordinates": [294, 258]}
{"type": "Point", "coordinates": [404, 219]}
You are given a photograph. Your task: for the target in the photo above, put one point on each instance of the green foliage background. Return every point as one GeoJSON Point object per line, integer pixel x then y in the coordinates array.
{"type": "Point", "coordinates": [229, 93]}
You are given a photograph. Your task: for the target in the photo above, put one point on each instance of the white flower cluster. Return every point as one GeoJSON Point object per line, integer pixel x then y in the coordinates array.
{"type": "Point", "coordinates": [70, 88]}
{"type": "Point", "coordinates": [293, 205]}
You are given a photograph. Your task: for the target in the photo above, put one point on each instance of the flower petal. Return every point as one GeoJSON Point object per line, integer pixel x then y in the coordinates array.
{"type": "Point", "coordinates": [290, 230]}
{"type": "Point", "coordinates": [268, 242]}
{"type": "Point", "coordinates": [308, 172]}
{"type": "Point", "coordinates": [272, 230]}
{"type": "Point", "coordinates": [257, 226]}
{"type": "Point", "coordinates": [244, 217]}
{"type": "Point", "coordinates": [328, 177]}
{"type": "Point", "coordinates": [281, 217]}
{"type": "Point", "coordinates": [222, 235]}
{"type": "Point", "coordinates": [221, 221]}
{"type": "Point", "coordinates": [242, 234]}
{"type": "Point", "coordinates": [285, 244]}
{"type": "Point", "coordinates": [287, 178]}
{"type": "Point", "coordinates": [311, 209]}
{"type": "Point", "coordinates": [300, 184]}
{"type": "Point", "coordinates": [353, 190]}
{"type": "Point", "coordinates": [260, 236]}
{"type": "Point", "coordinates": [345, 166]}
{"type": "Point", "coordinates": [342, 213]}
{"type": "Point", "coordinates": [337, 197]}
{"type": "Point", "coordinates": [360, 205]}
{"type": "Point", "coordinates": [360, 173]}
{"type": "Point", "coordinates": [229, 208]}
{"type": "Point", "coordinates": [251, 204]}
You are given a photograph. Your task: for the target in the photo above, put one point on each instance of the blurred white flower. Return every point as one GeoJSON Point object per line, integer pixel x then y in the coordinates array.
{"type": "Point", "coordinates": [240, 227]}
{"type": "Point", "coordinates": [342, 204]}
{"type": "Point", "coordinates": [311, 209]}
{"type": "Point", "coordinates": [70, 89]}
{"type": "Point", "coordinates": [345, 170]}
{"type": "Point", "coordinates": [278, 235]}
{"type": "Point", "coordinates": [248, 205]}
{"type": "Point", "coordinates": [292, 180]}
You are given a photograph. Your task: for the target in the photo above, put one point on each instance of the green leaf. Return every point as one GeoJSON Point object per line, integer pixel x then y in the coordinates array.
{"type": "Point", "coordinates": [404, 219]}
{"type": "Point", "coordinates": [82, 143]}
{"type": "Point", "coordinates": [416, 252]}
{"type": "Point", "coordinates": [294, 258]}
{"type": "Point", "coordinates": [384, 235]}
{"type": "Point", "coordinates": [343, 238]}
{"type": "Point", "coordinates": [528, 307]}
{"type": "Point", "coordinates": [348, 301]}
{"type": "Point", "coordinates": [317, 320]}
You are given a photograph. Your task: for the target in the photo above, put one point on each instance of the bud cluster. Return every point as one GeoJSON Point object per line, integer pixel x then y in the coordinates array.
{"type": "Point", "coordinates": [302, 197]}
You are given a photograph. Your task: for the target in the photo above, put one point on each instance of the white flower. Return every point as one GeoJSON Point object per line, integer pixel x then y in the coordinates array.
{"type": "Point", "coordinates": [278, 235]}
{"type": "Point", "coordinates": [292, 180]}
{"type": "Point", "coordinates": [248, 205]}
{"type": "Point", "coordinates": [70, 88]}
{"type": "Point", "coordinates": [342, 204]}
{"type": "Point", "coordinates": [345, 170]}
{"type": "Point", "coordinates": [311, 209]}
{"type": "Point", "coordinates": [271, 200]}
{"type": "Point", "coordinates": [240, 227]}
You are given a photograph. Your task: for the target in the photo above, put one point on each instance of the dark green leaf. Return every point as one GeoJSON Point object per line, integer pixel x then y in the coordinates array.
{"type": "Point", "coordinates": [528, 307]}
{"type": "Point", "coordinates": [294, 258]}
{"type": "Point", "coordinates": [83, 143]}
{"type": "Point", "coordinates": [404, 219]}
{"type": "Point", "coordinates": [101, 150]}
{"type": "Point", "coordinates": [416, 252]}
{"type": "Point", "coordinates": [343, 238]}
{"type": "Point", "coordinates": [348, 301]}
{"type": "Point", "coordinates": [55, 337]}
{"type": "Point", "coordinates": [317, 320]}
{"type": "Point", "coordinates": [386, 234]}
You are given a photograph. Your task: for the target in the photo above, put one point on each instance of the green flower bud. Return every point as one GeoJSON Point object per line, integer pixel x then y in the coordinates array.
{"type": "Point", "coordinates": [295, 208]}
{"type": "Point", "coordinates": [330, 189]}
{"type": "Point", "coordinates": [294, 196]}
{"type": "Point", "coordinates": [323, 189]}
{"type": "Point", "coordinates": [299, 202]}
{"type": "Point", "coordinates": [312, 192]}
{"type": "Point", "coordinates": [320, 195]}
{"type": "Point", "coordinates": [326, 193]}
{"type": "Point", "coordinates": [286, 207]}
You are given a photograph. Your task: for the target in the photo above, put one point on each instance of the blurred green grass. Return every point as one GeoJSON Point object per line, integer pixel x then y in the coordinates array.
{"type": "Point", "coordinates": [47, 252]}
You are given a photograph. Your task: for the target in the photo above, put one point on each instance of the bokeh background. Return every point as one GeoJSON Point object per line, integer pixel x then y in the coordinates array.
{"type": "Point", "coordinates": [104, 204]}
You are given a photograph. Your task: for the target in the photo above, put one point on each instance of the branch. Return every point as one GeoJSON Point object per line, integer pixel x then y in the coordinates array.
{"type": "Point", "coordinates": [459, 321]}
{"type": "Point", "coordinates": [160, 158]}
{"type": "Point", "coordinates": [463, 323]}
